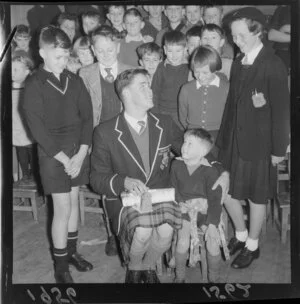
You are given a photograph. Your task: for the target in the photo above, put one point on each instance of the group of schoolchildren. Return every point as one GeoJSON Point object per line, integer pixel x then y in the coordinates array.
{"type": "Point", "coordinates": [188, 56]}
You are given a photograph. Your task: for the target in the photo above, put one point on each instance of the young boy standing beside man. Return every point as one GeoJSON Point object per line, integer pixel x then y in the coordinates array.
{"type": "Point", "coordinates": [58, 111]}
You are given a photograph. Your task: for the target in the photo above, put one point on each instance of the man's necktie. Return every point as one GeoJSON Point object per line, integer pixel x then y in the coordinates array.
{"type": "Point", "coordinates": [143, 126]}
{"type": "Point", "coordinates": [109, 77]}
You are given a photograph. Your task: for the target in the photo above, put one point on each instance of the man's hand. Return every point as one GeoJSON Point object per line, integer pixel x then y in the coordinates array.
{"type": "Point", "coordinates": [222, 181]}
{"type": "Point", "coordinates": [276, 159]}
{"type": "Point", "coordinates": [135, 186]}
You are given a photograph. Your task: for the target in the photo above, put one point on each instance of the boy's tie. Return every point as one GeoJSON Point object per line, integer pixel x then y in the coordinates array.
{"type": "Point", "coordinates": [109, 77]}
{"type": "Point", "coordinates": [143, 126]}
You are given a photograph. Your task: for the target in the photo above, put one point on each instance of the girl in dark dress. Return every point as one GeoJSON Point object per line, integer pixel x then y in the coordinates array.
{"type": "Point", "coordinates": [254, 132]}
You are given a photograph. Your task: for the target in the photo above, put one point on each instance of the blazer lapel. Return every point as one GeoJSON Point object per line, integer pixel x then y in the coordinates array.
{"type": "Point", "coordinates": [252, 73]}
{"type": "Point", "coordinates": [126, 140]}
{"type": "Point", "coordinates": [155, 135]}
{"type": "Point", "coordinates": [95, 83]}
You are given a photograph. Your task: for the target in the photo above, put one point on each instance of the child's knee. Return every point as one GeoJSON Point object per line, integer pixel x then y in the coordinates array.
{"type": "Point", "coordinates": [182, 245]}
{"type": "Point", "coordinates": [213, 248]}
{"type": "Point", "coordinates": [143, 235]}
{"type": "Point", "coordinates": [165, 231]}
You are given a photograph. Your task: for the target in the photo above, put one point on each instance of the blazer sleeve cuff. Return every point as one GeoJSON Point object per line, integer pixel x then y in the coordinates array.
{"type": "Point", "coordinates": [116, 184]}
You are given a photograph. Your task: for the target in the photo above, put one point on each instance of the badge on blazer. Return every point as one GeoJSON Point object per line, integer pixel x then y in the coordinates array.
{"type": "Point", "coordinates": [165, 153]}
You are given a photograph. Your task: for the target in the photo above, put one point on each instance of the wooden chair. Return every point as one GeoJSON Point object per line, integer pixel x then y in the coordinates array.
{"type": "Point", "coordinates": [97, 206]}
{"type": "Point", "coordinates": [26, 193]}
{"type": "Point", "coordinates": [282, 200]}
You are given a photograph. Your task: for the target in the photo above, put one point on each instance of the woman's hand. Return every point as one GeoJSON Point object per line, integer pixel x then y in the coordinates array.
{"type": "Point", "coordinates": [222, 181]}
{"type": "Point", "coordinates": [276, 159]}
{"type": "Point", "coordinates": [75, 165]}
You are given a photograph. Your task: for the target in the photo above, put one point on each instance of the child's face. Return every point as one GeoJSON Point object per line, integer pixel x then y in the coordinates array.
{"type": "Point", "coordinates": [175, 53]}
{"type": "Point", "coordinates": [133, 25]}
{"type": "Point", "coordinates": [174, 13]}
{"type": "Point", "coordinates": [19, 71]}
{"type": "Point", "coordinates": [212, 39]}
{"type": "Point", "coordinates": [212, 15]}
{"type": "Point", "coordinates": [55, 59]}
{"type": "Point", "coordinates": [106, 50]}
{"type": "Point", "coordinates": [68, 26]}
{"type": "Point", "coordinates": [155, 10]}
{"type": "Point", "coordinates": [85, 56]}
{"type": "Point", "coordinates": [193, 13]}
{"type": "Point", "coordinates": [115, 15]}
{"type": "Point", "coordinates": [203, 74]}
{"type": "Point", "coordinates": [73, 65]}
{"type": "Point", "coordinates": [89, 24]}
{"type": "Point", "coordinates": [192, 43]}
{"type": "Point", "coordinates": [193, 149]}
{"type": "Point", "coordinates": [22, 42]}
{"type": "Point", "coordinates": [150, 62]}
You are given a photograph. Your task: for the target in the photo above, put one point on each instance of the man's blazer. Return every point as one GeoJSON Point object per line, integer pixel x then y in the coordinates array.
{"type": "Point", "coordinates": [115, 156]}
{"type": "Point", "coordinates": [91, 78]}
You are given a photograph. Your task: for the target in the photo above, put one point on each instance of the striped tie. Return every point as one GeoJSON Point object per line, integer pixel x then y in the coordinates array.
{"type": "Point", "coordinates": [109, 77]}
{"type": "Point", "coordinates": [143, 126]}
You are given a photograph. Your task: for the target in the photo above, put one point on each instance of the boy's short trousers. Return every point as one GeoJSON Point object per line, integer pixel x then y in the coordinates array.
{"type": "Point", "coordinates": [53, 176]}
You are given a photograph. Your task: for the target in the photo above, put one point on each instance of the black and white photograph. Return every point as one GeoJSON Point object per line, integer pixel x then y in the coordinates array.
{"type": "Point", "coordinates": [149, 143]}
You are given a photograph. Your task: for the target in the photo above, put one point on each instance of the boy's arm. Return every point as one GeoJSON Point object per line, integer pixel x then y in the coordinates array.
{"type": "Point", "coordinates": [174, 181]}
{"type": "Point", "coordinates": [35, 116]}
{"type": "Point", "coordinates": [213, 197]}
{"type": "Point", "coordinates": [86, 114]}
{"type": "Point", "coordinates": [177, 138]}
{"type": "Point", "coordinates": [155, 86]}
{"type": "Point", "coordinates": [183, 106]}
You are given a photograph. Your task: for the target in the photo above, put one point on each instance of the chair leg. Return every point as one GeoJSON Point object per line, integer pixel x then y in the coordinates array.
{"type": "Point", "coordinates": [204, 264]}
{"type": "Point", "coordinates": [34, 208]}
{"type": "Point", "coordinates": [106, 218]}
{"type": "Point", "coordinates": [284, 224]}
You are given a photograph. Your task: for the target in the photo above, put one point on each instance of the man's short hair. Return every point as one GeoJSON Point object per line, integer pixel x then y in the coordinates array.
{"type": "Point", "coordinates": [149, 48]}
{"type": "Point", "coordinates": [51, 35]}
{"type": "Point", "coordinates": [194, 31]}
{"type": "Point", "coordinates": [22, 31]}
{"type": "Point", "coordinates": [91, 14]}
{"type": "Point", "coordinates": [174, 38]}
{"type": "Point", "coordinates": [125, 78]}
{"type": "Point", "coordinates": [66, 16]}
{"type": "Point", "coordinates": [108, 7]}
{"type": "Point", "coordinates": [83, 42]}
{"type": "Point", "coordinates": [206, 55]}
{"type": "Point", "coordinates": [105, 31]}
{"type": "Point", "coordinates": [22, 56]}
{"type": "Point", "coordinates": [132, 12]}
{"type": "Point", "coordinates": [219, 7]}
{"type": "Point", "coordinates": [203, 135]}
{"type": "Point", "coordinates": [211, 27]}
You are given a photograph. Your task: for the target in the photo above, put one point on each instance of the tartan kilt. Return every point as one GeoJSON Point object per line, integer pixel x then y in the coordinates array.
{"type": "Point", "coordinates": [167, 212]}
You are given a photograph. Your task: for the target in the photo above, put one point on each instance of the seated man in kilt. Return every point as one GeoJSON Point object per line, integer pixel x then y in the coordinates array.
{"type": "Point", "coordinates": [131, 152]}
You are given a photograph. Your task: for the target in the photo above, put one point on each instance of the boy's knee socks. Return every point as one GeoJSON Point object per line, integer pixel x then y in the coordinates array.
{"type": "Point", "coordinates": [72, 242]}
{"type": "Point", "coordinates": [180, 264]}
{"type": "Point", "coordinates": [61, 259]}
{"type": "Point", "coordinates": [213, 267]}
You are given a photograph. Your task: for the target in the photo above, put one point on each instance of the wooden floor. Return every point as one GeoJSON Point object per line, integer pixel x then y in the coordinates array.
{"type": "Point", "coordinates": [32, 262]}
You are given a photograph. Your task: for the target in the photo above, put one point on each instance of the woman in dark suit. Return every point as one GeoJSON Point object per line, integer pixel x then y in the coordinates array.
{"type": "Point", "coordinates": [254, 132]}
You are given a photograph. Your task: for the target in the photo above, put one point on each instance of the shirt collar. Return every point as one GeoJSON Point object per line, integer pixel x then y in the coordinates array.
{"type": "Point", "coordinates": [138, 38]}
{"type": "Point", "coordinates": [114, 69]}
{"type": "Point", "coordinates": [44, 75]}
{"type": "Point", "coordinates": [203, 162]}
{"type": "Point", "coordinates": [215, 82]}
{"type": "Point", "coordinates": [133, 122]}
{"type": "Point", "coordinates": [252, 54]}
